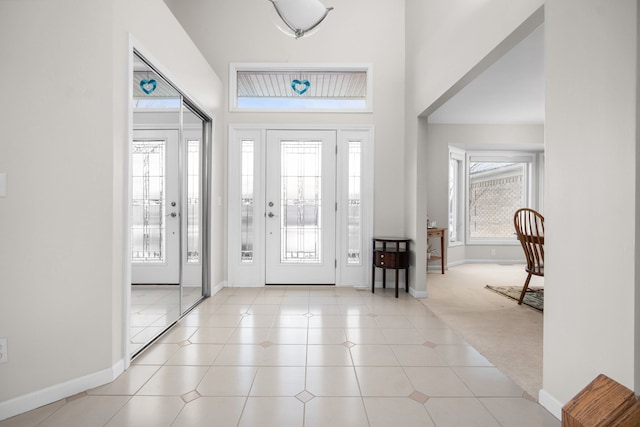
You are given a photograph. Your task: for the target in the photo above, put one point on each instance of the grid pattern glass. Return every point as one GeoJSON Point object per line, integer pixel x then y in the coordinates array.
{"type": "Point", "coordinates": [247, 202]}
{"type": "Point", "coordinates": [301, 202]}
{"type": "Point", "coordinates": [193, 201]}
{"type": "Point", "coordinates": [496, 191]}
{"type": "Point", "coordinates": [354, 249]}
{"type": "Point", "coordinates": [148, 188]}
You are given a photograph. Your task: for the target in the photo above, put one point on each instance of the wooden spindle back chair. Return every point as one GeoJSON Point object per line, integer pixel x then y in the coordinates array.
{"type": "Point", "coordinates": [529, 226]}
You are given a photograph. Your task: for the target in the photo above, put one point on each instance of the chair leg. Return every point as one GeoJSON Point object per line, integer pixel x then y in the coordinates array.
{"type": "Point", "coordinates": [524, 289]}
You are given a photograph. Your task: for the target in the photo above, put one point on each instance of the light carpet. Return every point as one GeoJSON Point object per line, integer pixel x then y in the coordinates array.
{"type": "Point", "coordinates": [507, 334]}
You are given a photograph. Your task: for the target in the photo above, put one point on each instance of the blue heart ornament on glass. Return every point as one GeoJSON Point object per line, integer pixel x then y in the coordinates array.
{"type": "Point", "coordinates": [148, 86]}
{"type": "Point", "coordinates": [300, 86]}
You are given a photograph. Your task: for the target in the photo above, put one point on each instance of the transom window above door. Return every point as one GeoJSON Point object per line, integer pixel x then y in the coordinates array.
{"type": "Point", "coordinates": [300, 87]}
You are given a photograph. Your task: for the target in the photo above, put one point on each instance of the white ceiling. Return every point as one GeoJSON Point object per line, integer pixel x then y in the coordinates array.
{"type": "Point", "coordinates": [509, 91]}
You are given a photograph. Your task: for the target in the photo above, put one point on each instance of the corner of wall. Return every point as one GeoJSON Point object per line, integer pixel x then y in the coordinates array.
{"type": "Point", "coordinates": [550, 403]}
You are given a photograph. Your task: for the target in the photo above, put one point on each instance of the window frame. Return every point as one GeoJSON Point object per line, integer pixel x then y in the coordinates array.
{"type": "Point", "coordinates": [458, 155]}
{"type": "Point", "coordinates": [534, 185]}
{"type": "Point", "coordinates": [531, 165]}
{"type": "Point", "coordinates": [301, 67]}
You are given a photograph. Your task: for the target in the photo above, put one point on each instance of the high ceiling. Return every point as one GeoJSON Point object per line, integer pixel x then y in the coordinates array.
{"type": "Point", "coordinates": [509, 91]}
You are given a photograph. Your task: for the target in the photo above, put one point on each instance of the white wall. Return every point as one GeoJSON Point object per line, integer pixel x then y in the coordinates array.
{"type": "Point", "coordinates": [359, 31]}
{"type": "Point", "coordinates": [472, 137]}
{"type": "Point", "coordinates": [62, 235]}
{"type": "Point", "coordinates": [56, 223]}
{"type": "Point", "coordinates": [591, 195]}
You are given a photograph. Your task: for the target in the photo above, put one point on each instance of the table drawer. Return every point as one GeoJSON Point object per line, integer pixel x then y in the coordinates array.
{"type": "Point", "coordinates": [391, 259]}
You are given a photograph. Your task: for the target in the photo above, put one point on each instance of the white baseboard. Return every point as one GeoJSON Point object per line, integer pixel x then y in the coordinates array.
{"type": "Point", "coordinates": [217, 288]}
{"type": "Point", "coordinates": [417, 294]}
{"type": "Point", "coordinates": [448, 265]}
{"type": "Point", "coordinates": [493, 261]}
{"type": "Point", "coordinates": [244, 285]}
{"type": "Point", "coordinates": [550, 403]}
{"type": "Point", "coordinates": [36, 399]}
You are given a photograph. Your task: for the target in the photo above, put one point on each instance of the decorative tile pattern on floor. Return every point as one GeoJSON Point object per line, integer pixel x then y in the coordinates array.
{"type": "Point", "coordinates": [303, 357]}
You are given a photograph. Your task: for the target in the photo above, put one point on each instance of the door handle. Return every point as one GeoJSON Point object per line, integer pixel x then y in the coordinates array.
{"type": "Point", "coordinates": [172, 214]}
{"type": "Point", "coordinates": [270, 215]}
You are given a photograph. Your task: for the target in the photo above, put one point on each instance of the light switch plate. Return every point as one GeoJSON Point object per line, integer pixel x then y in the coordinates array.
{"type": "Point", "coordinates": [3, 185]}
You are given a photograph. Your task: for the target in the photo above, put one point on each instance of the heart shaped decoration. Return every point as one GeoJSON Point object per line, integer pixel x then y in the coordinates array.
{"type": "Point", "coordinates": [300, 86]}
{"type": "Point", "coordinates": [148, 86]}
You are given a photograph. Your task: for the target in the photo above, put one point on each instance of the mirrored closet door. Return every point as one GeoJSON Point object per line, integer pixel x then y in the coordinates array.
{"type": "Point", "coordinates": [168, 205]}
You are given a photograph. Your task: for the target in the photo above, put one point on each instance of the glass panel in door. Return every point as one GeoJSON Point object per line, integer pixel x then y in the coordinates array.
{"type": "Point", "coordinates": [148, 228]}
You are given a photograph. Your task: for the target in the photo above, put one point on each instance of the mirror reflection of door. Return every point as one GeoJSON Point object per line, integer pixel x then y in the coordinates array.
{"type": "Point", "coordinates": [301, 207]}
{"type": "Point", "coordinates": [155, 230]}
{"type": "Point", "coordinates": [166, 206]}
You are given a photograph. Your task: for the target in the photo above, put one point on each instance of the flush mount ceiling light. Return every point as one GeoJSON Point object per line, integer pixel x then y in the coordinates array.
{"type": "Point", "coordinates": [301, 16]}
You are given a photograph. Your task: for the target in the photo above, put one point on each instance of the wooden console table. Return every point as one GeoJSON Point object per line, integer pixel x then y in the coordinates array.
{"type": "Point", "coordinates": [437, 232]}
{"type": "Point", "coordinates": [390, 253]}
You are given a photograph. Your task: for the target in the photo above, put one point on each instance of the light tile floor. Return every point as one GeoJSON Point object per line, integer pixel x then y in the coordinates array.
{"type": "Point", "coordinates": [154, 308]}
{"type": "Point", "coordinates": [303, 356]}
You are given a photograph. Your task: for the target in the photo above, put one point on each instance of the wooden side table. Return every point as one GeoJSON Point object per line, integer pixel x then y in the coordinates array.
{"type": "Point", "coordinates": [390, 253]}
{"type": "Point", "coordinates": [437, 232]}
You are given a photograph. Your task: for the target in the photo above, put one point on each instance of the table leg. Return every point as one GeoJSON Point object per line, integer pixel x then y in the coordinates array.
{"type": "Point", "coordinates": [384, 270]}
{"type": "Point", "coordinates": [373, 275]}
{"type": "Point", "coordinates": [442, 251]}
{"type": "Point", "coordinates": [397, 284]}
{"type": "Point", "coordinates": [406, 270]}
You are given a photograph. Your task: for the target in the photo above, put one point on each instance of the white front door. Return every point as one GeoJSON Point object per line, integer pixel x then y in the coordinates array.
{"type": "Point", "coordinates": [155, 231]}
{"type": "Point", "coordinates": [300, 200]}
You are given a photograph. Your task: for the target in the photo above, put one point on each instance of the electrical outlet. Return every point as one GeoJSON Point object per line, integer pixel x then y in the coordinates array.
{"type": "Point", "coordinates": [4, 350]}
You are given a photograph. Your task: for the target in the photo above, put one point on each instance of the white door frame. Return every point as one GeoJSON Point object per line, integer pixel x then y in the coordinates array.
{"type": "Point", "coordinates": [251, 272]}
